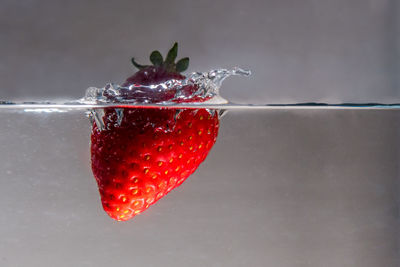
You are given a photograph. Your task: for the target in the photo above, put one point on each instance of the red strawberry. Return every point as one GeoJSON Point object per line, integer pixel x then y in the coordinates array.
{"type": "Point", "coordinates": [142, 154]}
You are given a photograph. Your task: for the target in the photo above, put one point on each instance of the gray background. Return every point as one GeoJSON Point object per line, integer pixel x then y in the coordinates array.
{"type": "Point", "coordinates": [304, 188]}
{"type": "Point", "coordinates": [299, 50]}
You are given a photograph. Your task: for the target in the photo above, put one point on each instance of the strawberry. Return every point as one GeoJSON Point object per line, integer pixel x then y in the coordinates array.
{"type": "Point", "coordinates": [140, 154]}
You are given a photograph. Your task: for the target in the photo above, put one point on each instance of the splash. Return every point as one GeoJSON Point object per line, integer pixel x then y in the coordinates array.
{"type": "Point", "coordinates": [206, 85]}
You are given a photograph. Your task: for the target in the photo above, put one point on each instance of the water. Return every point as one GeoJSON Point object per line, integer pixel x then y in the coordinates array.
{"type": "Point", "coordinates": [301, 185]}
{"type": "Point", "coordinates": [70, 106]}
{"type": "Point", "coordinates": [283, 187]}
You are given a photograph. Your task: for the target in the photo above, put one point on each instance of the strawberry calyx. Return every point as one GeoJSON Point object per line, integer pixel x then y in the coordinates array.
{"type": "Point", "coordinates": [168, 64]}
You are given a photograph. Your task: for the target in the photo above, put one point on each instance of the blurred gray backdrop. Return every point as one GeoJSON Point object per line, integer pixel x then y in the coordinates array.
{"type": "Point", "coordinates": [298, 50]}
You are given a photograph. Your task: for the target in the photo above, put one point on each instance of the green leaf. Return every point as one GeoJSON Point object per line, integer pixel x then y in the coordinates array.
{"type": "Point", "coordinates": [137, 65]}
{"type": "Point", "coordinates": [182, 64]}
{"type": "Point", "coordinates": [156, 58]}
{"type": "Point", "coordinates": [172, 53]}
